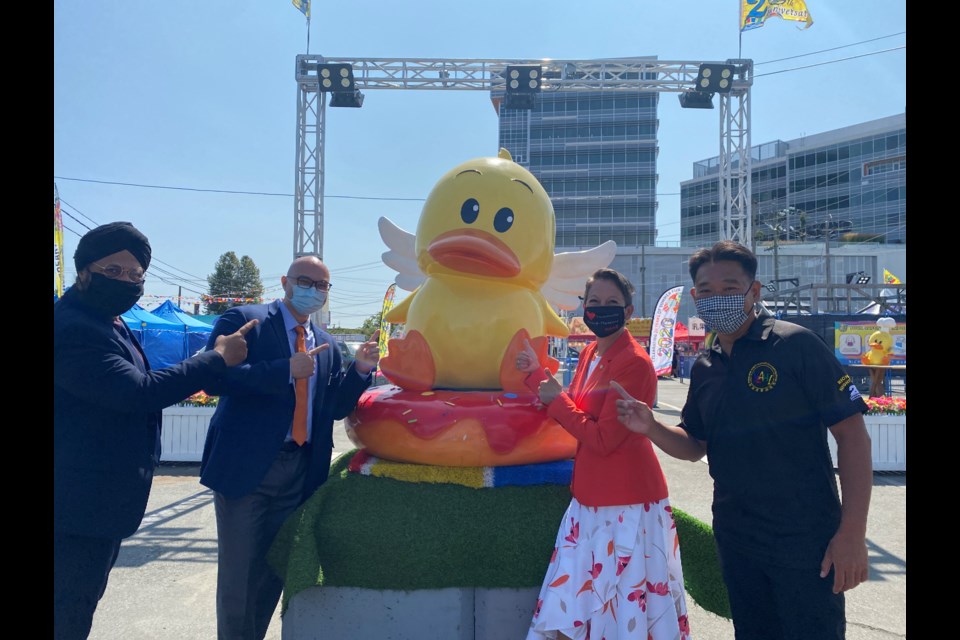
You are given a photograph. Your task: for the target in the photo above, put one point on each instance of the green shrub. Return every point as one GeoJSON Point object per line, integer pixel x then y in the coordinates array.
{"type": "Point", "coordinates": [379, 533]}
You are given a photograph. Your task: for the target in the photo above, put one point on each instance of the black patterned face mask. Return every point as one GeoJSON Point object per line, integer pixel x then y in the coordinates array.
{"type": "Point", "coordinates": [723, 314]}
{"type": "Point", "coordinates": [111, 297]}
{"type": "Point", "coordinates": [604, 321]}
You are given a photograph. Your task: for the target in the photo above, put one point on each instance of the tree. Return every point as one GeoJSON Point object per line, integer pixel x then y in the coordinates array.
{"type": "Point", "coordinates": [233, 278]}
{"type": "Point", "coordinates": [250, 282]}
{"type": "Point", "coordinates": [371, 324]}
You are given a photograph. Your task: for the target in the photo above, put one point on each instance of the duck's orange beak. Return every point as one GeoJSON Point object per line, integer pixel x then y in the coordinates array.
{"type": "Point", "coordinates": [474, 251]}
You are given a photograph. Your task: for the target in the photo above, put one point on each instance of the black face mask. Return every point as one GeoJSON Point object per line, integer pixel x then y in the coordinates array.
{"type": "Point", "coordinates": [604, 321]}
{"type": "Point", "coordinates": [111, 297]}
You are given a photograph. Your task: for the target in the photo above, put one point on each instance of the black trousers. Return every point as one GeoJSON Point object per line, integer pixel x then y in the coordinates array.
{"type": "Point", "coordinates": [247, 589]}
{"type": "Point", "coordinates": [81, 566]}
{"type": "Point", "coordinates": [776, 603]}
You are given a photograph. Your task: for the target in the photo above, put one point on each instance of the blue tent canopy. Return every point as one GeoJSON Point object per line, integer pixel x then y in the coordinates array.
{"type": "Point", "coordinates": [173, 313]}
{"type": "Point", "coordinates": [198, 332]}
{"type": "Point", "coordinates": [164, 342]}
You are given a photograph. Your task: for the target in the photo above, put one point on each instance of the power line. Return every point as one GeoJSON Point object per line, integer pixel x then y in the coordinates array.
{"type": "Point", "coordinates": [80, 212]}
{"type": "Point", "coordinates": [62, 210]}
{"type": "Point", "coordinates": [813, 53]}
{"type": "Point", "coordinates": [230, 191]}
{"type": "Point", "coordinates": [98, 224]}
{"type": "Point", "coordinates": [820, 64]}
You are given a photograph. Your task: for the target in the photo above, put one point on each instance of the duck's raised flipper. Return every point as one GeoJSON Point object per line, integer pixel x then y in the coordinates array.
{"type": "Point", "coordinates": [511, 378]}
{"type": "Point", "coordinates": [409, 363]}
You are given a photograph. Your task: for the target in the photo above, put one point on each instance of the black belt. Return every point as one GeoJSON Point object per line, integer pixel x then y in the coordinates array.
{"type": "Point", "coordinates": [291, 445]}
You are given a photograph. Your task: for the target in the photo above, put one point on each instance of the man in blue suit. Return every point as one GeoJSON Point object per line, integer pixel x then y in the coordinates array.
{"type": "Point", "coordinates": [271, 438]}
{"type": "Point", "coordinates": [107, 406]}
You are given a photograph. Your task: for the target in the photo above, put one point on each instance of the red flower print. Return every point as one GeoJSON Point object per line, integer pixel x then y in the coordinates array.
{"type": "Point", "coordinates": [684, 625]}
{"type": "Point", "coordinates": [536, 611]}
{"type": "Point", "coordinates": [646, 506]}
{"type": "Point", "coordinates": [597, 567]}
{"type": "Point", "coordinates": [661, 588]}
{"type": "Point", "coordinates": [574, 532]}
{"type": "Point", "coordinates": [673, 523]}
{"type": "Point", "coordinates": [554, 556]}
{"type": "Point", "coordinates": [622, 562]}
{"type": "Point", "coordinates": [640, 597]}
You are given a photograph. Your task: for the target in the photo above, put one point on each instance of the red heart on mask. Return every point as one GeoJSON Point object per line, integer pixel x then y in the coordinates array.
{"type": "Point", "coordinates": [591, 315]}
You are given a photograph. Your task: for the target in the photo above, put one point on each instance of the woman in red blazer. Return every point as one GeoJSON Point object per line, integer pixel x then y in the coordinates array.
{"type": "Point", "coordinates": [615, 570]}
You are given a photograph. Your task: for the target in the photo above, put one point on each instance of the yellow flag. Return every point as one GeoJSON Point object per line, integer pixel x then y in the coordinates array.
{"type": "Point", "coordinates": [384, 325]}
{"type": "Point", "coordinates": [58, 274]}
{"type": "Point", "coordinates": [754, 13]}
{"type": "Point", "coordinates": [889, 278]}
{"type": "Point", "coordinates": [303, 6]}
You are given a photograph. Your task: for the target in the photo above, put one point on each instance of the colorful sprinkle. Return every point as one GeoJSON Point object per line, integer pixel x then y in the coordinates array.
{"type": "Point", "coordinates": [411, 421]}
{"type": "Point", "coordinates": [449, 403]}
{"type": "Point", "coordinates": [427, 393]}
{"type": "Point", "coordinates": [509, 395]}
{"type": "Point", "coordinates": [407, 411]}
{"type": "Point", "coordinates": [499, 403]}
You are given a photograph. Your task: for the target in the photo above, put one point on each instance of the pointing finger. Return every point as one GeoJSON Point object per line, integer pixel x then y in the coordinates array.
{"type": "Point", "coordinates": [245, 328]}
{"type": "Point", "coordinates": [317, 350]}
{"type": "Point", "coordinates": [623, 393]}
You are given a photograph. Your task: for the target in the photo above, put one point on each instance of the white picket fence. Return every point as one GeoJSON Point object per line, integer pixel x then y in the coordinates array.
{"type": "Point", "coordinates": [184, 432]}
{"type": "Point", "coordinates": [888, 442]}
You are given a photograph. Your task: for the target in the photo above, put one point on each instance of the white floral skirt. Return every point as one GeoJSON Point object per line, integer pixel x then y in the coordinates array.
{"type": "Point", "coordinates": [615, 573]}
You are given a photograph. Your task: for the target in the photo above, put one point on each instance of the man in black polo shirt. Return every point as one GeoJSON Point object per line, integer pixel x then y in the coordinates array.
{"type": "Point", "coordinates": [760, 402]}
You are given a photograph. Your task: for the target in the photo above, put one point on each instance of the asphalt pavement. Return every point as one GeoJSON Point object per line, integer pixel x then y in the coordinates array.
{"type": "Point", "coordinates": [164, 583]}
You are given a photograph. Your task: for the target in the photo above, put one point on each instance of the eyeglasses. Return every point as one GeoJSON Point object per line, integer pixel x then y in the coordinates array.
{"type": "Point", "coordinates": [115, 272]}
{"type": "Point", "coordinates": [320, 285]}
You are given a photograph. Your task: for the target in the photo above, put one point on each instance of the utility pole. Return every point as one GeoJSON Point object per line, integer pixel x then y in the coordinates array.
{"type": "Point", "coordinates": [179, 296]}
{"type": "Point", "coordinates": [776, 255]}
{"type": "Point", "coordinates": [826, 251]}
{"type": "Point", "coordinates": [643, 282]}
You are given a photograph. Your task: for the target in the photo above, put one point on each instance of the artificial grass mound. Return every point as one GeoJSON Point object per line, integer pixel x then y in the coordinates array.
{"type": "Point", "coordinates": [379, 533]}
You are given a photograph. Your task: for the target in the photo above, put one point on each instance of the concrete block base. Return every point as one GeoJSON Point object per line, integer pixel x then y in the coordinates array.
{"type": "Point", "coordinates": [431, 614]}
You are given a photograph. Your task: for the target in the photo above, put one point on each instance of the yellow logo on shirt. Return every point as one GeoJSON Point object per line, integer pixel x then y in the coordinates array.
{"type": "Point", "coordinates": [762, 377]}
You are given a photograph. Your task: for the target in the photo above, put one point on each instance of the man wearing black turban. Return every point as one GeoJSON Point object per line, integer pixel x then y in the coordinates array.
{"type": "Point", "coordinates": [107, 405]}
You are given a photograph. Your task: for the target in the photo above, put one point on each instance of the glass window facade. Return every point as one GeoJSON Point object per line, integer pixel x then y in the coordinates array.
{"type": "Point", "coordinates": [855, 185]}
{"type": "Point", "coordinates": [595, 153]}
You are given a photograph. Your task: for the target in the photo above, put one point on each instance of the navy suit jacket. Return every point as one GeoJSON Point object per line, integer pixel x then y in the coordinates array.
{"type": "Point", "coordinates": [107, 407]}
{"type": "Point", "coordinates": [257, 401]}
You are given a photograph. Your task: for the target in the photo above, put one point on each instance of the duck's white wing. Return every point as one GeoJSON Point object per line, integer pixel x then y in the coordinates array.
{"type": "Point", "coordinates": [570, 272]}
{"type": "Point", "coordinates": [402, 256]}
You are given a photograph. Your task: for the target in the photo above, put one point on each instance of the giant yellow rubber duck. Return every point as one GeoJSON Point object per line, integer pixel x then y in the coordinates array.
{"type": "Point", "coordinates": [484, 275]}
{"type": "Point", "coordinates": [880, 344]}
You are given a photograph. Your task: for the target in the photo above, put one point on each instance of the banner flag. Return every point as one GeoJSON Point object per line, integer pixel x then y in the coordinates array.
{"type": "Point", "coordinates": [754, 13]}
{"type": "Point", "coordinates": [889, 278]}
{"type": "Point", "coordinates": [303, 6]}
{"type": "Point", "coordinates": [58, 275]}
{"type": "Point", "coordinates": [384, 325]}
{"type": "Point", "coordinates": [661, 333]}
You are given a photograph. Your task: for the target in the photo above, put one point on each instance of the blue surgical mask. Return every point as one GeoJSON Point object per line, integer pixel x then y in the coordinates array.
{"type": "Point", "coordinates": [307, 300]}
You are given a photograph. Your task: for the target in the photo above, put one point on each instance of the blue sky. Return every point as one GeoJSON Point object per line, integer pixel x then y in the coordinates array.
{"type": "Point", "coordinates": [202, 96]}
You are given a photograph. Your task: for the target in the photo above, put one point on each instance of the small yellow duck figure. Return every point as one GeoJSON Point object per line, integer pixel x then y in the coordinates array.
{"type": "Point", "coordinates": [880, 344]}
{"type": "Point", "coordinates": [483, 275]}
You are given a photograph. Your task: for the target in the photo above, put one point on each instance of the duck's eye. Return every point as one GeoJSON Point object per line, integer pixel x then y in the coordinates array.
{"type": "Point", "coordinates": [470, 210]}
{"type": "Point", "coordinates": [503, 220]}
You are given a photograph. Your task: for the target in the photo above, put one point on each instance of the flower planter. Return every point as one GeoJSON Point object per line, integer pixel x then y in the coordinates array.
{"type": "Point", "coordinates": [888, 442]}
{"type": "Point", "coordinates": [184, 432]}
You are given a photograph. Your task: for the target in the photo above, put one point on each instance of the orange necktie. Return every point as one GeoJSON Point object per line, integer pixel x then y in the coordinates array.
{"type": "Point", "coordinates": [300, 411]}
